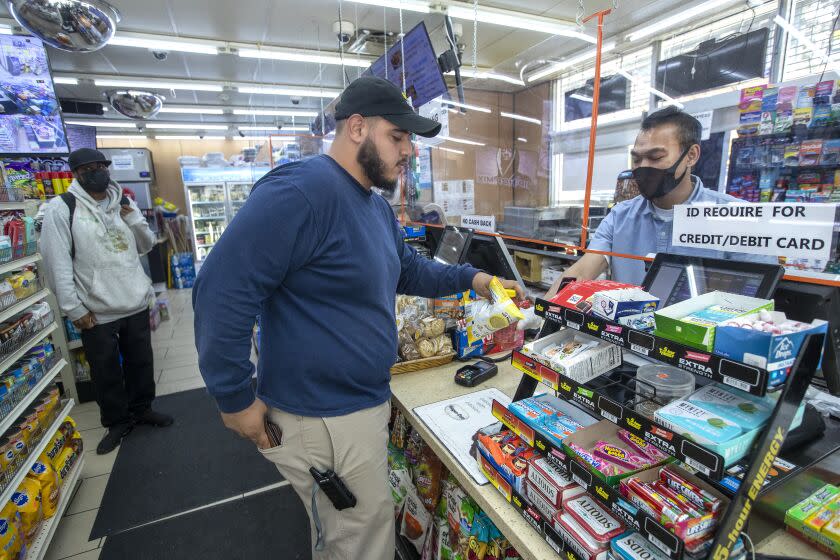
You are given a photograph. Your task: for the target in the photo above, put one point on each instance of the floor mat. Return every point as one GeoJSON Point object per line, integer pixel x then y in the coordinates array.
{"type": "Point", "coordinates": [163, 471]}
{"type": "Point", "coordinates": [268, 525]}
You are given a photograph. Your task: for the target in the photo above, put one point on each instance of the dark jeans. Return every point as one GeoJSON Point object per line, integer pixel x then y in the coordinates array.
{"type": "Point", "coordinates": [126, 390]}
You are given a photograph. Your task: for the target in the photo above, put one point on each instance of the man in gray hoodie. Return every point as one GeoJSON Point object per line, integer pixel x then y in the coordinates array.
{"type": "Point", "coordinates": [91, 239]}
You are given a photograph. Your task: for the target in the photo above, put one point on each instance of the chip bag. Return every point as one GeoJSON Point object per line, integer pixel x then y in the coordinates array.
{"type": "Point", "coordinates": [64, 464]}
{"type": "Point", "coordinates": [11, 541]}
{"type": "Point", "coordinates": [27, 501]}
{"type": "Point", "coordinates": [54, 448]}
{"type": "Point", "coordinates": [43, 473]}
{"type": "Point", "coordinates": [484, 317]}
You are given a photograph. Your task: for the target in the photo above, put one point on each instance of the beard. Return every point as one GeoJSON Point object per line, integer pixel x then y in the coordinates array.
{"type": "Point", "coordinates": [374, 168]}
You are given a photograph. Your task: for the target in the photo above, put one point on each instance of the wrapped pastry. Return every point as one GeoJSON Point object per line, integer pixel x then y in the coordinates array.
{"type": "Point", "coordinates": [426, 348]}
{"type": "Point", "coordinates": [443, 345]}
{"type": "Point", "coordinates": [432, 327]}
{"type": "Point", "coordinates": [409, 351]}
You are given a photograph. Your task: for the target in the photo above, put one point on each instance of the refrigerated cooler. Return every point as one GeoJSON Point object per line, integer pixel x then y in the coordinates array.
{"type": "Point", "coordinates": [214, 196]}
{"type": "Point", "coordinates": [133, 168]}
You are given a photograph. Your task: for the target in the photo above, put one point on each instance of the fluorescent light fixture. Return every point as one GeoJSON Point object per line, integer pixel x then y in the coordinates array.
{"type": "Point", "coordinates": [192, 137]}
{"type": "Point", "coordinates": [163, 43]}
{"type": "Point", "coordinates": [461, 141]}
{"type": "Point", "coordinates": [661, 95]}
{"type": "Point", "coordinates": [465, 105]}
{"type": "Point", "coordinates": [295, 56]}
{"type": "Point", "coordinates": [581, 97]}
{"type": "Point", "coordinates": [275, 112]}
{"type": "Point", "coordinates": [275, 129]}
{"type": "Point", "coordinates": [483, 75]}
{"type": "Point", "coordinates": [121, 137]}
{"type": "Point", "coordinates": [251, 138]}
{"type": "Point", "coordinates": [105, 124]}
{"type": "Point", "coordinates": [518, 20]}
{"type": "Point", "coordinates": [5, 29]}
{"type": "Point", "coordinates": [302, 92]}
{"type": "Point", "coordinates": [521, 118]}
{"type": "Point", "coordinates": [150, 84]}
{"type": "Point", "coordinates": [441, 148]}
{"type": "Point", "coordinates": [192, 110]}
{"type": "Point", "coordinates": [186, 126]}
{"type": "Point", "coordinates": [407, 5]}
{"type": "Point", "coordinates": [681, 15]}
{"type": "Point", "coordinates": [65, 81]}
{"type": "Point", "coordinates": [523, 140]}
{"type": "Point", "coordinates": [606, 47]}
{"type": "Point", "coordinates": [832, 61]}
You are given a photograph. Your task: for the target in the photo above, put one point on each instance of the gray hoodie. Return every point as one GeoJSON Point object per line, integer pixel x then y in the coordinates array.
{"type": "Point", "coordinates": [105, 276]}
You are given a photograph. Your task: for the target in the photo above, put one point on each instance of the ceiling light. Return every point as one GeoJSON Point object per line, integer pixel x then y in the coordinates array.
{"type": "Point", "coordinates": [193, 110]}
{"type": "Point", "coordinates": [65, 81]}
{"type": "Point", "coordinates": [252, 138]}
{"type": "Point", "coordinates": [186, 126]}
{"type": "Point", "coordinates": [120, 137]}
{"type": "Point", "coordinates": [5, 30]}
{"type": "Point", "coordinates": [104, 124]}
{"type": "Point", "coordinates": [408, 5]}
{"type": "Point", "coordinates": [461, 141]}
{"type": "Point", "coordinates": [831, 61]}
{"type": "Point", "coordinates": [275, 112]}
{"type": "Point", "coordinates": [149, 84]}
{"type": "Point", "coordinates": [661, 95]}
{"type": "Point", "coordinates": [607, 46]}
{"type": "Point", "coordinates": [459, 152]}
{"type": "Point", "coordinates": [302, 92]}
{"type": "Point", "coordinates": [483, 75]}
{"type": "Point", "coordinates": [523, 140]}
{"type": "Point", "coordinates": [282, 129]}
{"type": "Point", "coordinates": [293, 56]}
{"type": "Point", "coordinates": [519, 20]}
{"type": "Point", "coordinates": [163, 43]}
{"type": "Point", "coordinates": [194, 137]}
{"type": "Point", "coordinates": [521, 118]}
{"type": "Point", "coordinates": [674, 20]}
{"type": "Point", "coordinates": [581, 97]}
{"type": "Point", "coordinates": [465, 106]}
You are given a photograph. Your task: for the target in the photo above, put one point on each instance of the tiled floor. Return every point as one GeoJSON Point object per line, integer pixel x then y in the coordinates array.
{"type": "Point", "coordinates": [176, 369]}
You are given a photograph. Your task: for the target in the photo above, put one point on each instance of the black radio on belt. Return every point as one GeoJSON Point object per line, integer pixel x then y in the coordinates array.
{"type": "Point", "coordinates": [472, 375]}
{"type": "Point", "coordinates": [334, 488]}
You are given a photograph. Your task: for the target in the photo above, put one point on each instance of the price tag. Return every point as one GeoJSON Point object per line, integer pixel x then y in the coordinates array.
{"type": "Point", "coordinates": [659, 544]}
{"type": "Point", "coordinates": [610, 410]}
{"type": "Point", "coordinates": [573, 325]}
{"type": "Point", "coordinates": [609, 417]}
{"type": "Point", "coordinates": [697, 465]}
{"type": "Point", "coordinates": [640, 349]}
{"type": "Point", "coordinates": [579, 480]}
{"type": "Point", "coordinates": [737, 383]}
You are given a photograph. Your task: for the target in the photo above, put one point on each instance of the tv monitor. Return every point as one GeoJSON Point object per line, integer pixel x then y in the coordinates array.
{"type": "Point", "coordinates": [612, 97]}
{"type": "Point", "coordinates": [490, 254]}
{"type": "Point", "coordinates": [453, 245]}
{"type": "Point", "coordinates": [714, 64]}
{"type": "Point", "coordinates": [676, 278]}
{"type": "Point", "coordinates": [30, 114]}
{"type": "Point", "coordinates": [423, 78]}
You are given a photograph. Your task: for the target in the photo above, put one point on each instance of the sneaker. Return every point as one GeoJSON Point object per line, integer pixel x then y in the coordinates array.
{"type": "Point", "coordinates": [154, 418]}
{"type": "Point", "coordinates": [112, 438]}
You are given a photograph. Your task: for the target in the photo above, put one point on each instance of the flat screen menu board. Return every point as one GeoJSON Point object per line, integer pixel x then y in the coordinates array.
{"type": "Point", "coordinates": [30, 116]}
{"type": "Point", "coordinates": [81, 136]}
{"type": "Point", "coordinates": [423, 78]}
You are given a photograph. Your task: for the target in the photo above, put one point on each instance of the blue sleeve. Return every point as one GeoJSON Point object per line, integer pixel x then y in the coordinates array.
{"type": "Point", "coordinates": [602, 240]}
{"type": "Point", "coordinates": [424, 277]}
{"type": "Point", "coordinates": [274, 232]}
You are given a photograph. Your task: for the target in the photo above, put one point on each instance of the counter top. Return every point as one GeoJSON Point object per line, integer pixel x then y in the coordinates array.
{"type": "Point", "coordinates": [418, 388]}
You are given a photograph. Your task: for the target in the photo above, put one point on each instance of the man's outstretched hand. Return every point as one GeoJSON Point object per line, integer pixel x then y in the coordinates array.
{"type": "Point", "coordinates": [481, 285]}
{"type": "Point", "coordinates": [250, 423]}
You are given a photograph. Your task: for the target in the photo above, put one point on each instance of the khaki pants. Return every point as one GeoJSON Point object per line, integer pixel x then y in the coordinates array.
{"type": "Point", "coordinates": [355, 447]}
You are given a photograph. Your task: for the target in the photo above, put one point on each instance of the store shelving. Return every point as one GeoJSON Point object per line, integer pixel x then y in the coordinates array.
{"type": "Point", "coordinates": [197, 218]}
{"type": "Point", "coordinates": [13, 205]}
{"type": "Point", "coordinates": [207, 202]}
{"type": "Point", "coordinates": [39, 546]}
{"type": "Point", "coordinates": [27, 344]}
{"type": "Point", "coordinates": [33, 393]}
{"type": "Point", "coordinates": [19, 263]}
{"type": "Point", "coordinates": [23, 304]}
{"type": "Point", "coordinates": [74, 344]}
{"type": "Point", "coordinates": [35, 452]}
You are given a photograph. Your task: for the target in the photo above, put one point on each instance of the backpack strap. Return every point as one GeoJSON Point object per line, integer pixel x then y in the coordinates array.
{"type": "Point", "coordinates": [70, 200]}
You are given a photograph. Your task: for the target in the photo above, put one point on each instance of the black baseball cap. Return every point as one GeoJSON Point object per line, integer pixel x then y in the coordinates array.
{"type": "Point", "coordinates": [370, 96]}
{"type": "Point", "coordinates": [83, 156]}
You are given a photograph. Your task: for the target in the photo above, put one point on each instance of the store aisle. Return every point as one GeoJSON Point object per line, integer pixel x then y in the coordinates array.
{"type": "Point", "coordinates": [176, 367]}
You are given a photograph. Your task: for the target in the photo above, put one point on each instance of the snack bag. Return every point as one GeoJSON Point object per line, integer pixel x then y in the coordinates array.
{"type": "Point", "coordinates": [43, 473]}
{"type": "Point", "coordinates": [64, 463]}
{"type": "Point", "coordinates": [75, 442]}
{"type": "Point", "coordinates": [54, 447]}
{"type": "Point", "coordinates": [27, 501]}
{"type": "Point", "coordinates": [416, 519]}
{"type": "Point", "coordinates": [493, 315]}
{"type": "Point", "coordinates": [11, 541]}
{"type": "Point", "coordinates": [428, 475]}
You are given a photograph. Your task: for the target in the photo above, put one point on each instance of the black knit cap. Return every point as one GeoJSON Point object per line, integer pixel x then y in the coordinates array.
{"type": "Point", "coordinates": [84, 156]}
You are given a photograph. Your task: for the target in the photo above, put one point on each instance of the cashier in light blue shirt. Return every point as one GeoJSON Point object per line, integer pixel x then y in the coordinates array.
{"type": "Point", "coordinates": [666, 149]}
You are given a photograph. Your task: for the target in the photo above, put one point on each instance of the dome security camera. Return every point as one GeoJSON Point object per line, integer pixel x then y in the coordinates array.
{"type": "Point", "coordinates": [344, 30]}
{"type": "Point", "coordinates": [296, 99]}
{"type": "Point", "coordinates": [160, 55]}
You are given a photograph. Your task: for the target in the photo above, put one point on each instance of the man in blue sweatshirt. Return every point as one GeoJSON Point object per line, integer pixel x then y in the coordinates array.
{"type": "Point", "coordinates": [321, 258]}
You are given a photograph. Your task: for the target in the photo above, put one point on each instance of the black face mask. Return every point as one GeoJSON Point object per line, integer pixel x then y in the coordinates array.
{"type": "Point", "coordinates": [656, 183]}
{"type": "Point", "coordinates": [96, 181]}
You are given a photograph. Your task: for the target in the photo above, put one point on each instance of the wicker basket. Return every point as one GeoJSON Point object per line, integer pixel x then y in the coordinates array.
{"type": "Point", "coordinates": [424, 363]}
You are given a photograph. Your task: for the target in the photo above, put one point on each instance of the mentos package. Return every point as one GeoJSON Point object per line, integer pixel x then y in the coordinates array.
{"type": "Point", "coordinates": [743, 409]}
{"type": "Point", "coordinates": [554, 484]}
{"type": "Point", "coordinates": [633, 546]}
{"type": "Point", "coordinates": [547, 415]}
{"type": "Point", "coordinates": [602, 525]}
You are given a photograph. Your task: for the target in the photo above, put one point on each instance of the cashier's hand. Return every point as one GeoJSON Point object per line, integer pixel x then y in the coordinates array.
{"type": "Point", "coordinates": [85, 322]}
{"type": "Point", "coordinates": [125, 210]}
{"type": "Point", "coordinates": [481, 285]}
{"type": "Point", "coordinates": [249, 423]}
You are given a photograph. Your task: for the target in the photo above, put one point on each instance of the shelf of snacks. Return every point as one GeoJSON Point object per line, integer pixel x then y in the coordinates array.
{"type": "Point", "coordinates": [10, 265]}
{"type": "Point", "coordinates": [38, 547]}
{"type": "Point", "coordinates": [9, 358]}
{"type": "Point", "coordinates": [12, 479]}
{"type": "Point", "coordinates": [74, 344]}
{"type": "Point", "coordinates": [620, 473]}
{"type": "Point", "coordinates": [23, 403]}
{"type": "Point", "coordinates": [20, 305]}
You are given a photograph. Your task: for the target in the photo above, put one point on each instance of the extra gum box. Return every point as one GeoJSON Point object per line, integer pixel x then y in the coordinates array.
{"type": "Point", "coordinates": [552, 483]}
{"type": "Point", "coordinates": [601, 525]}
